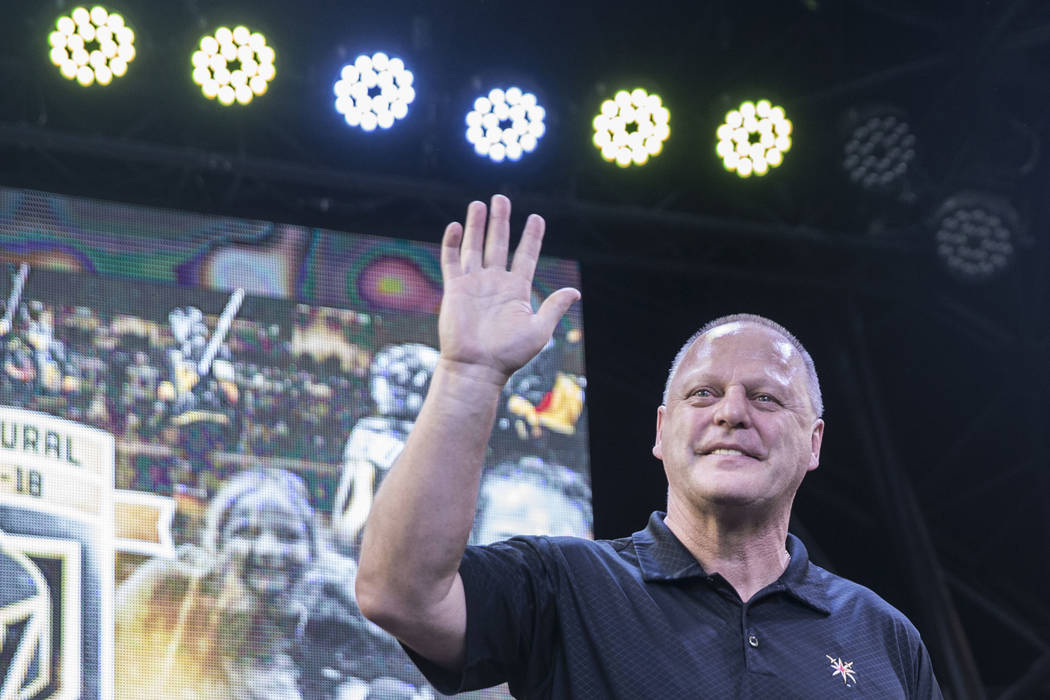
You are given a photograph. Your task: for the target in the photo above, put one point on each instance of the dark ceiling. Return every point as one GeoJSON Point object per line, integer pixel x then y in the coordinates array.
{"type": "Point", "coordinates": [935, 483]}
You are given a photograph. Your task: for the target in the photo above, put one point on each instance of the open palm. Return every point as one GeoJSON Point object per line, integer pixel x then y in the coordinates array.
{"type": "Point", "coordinates": [486, 318]}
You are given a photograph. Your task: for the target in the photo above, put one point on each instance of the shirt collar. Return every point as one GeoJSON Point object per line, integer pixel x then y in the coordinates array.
{"type": "Point", "coordinates": [662, 557]}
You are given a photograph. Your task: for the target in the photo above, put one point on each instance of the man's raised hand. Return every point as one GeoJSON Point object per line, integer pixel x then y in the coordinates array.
{"type": "Point", "coordinates": [487, 325]}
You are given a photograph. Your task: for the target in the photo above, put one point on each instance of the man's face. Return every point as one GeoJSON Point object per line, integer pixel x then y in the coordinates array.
{"type": "Point", "coordinates": [738, 428]}
{"type": "Point", "coordinates": [268, 541]}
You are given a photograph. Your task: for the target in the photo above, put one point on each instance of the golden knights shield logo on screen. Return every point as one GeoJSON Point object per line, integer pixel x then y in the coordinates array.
{"type": "Point", "coordinates": [39, 617]}
{"type": "Point", "coordinates": [56, 558]}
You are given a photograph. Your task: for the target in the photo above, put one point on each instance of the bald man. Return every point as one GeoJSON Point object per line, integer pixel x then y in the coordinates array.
{"type": "Point", "coordinates": [712, 599]}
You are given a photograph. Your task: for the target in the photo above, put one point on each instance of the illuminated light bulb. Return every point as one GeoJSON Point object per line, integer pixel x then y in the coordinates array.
{"type": "Point", "coordinates": [233, 65]}
{"type": "Point", "coordinates": [374, 91]}
{"type": "Point", "coordinates": [505, 124]}
{"type": "Point", "coordinates": [91, 47]}
{"type": "Point", "coordinates": [226, 94]}
{"type": "Point", "coordinates": [753, 138]}
{"type": "Point", "coordinates": [631, 127]}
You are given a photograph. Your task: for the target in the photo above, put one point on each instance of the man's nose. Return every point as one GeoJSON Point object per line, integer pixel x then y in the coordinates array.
{"type": "Point", "coordinates": [733, 410]}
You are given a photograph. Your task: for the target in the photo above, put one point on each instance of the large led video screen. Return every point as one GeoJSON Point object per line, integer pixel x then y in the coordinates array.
{"type": "Point", "coordinates": [195, 414]}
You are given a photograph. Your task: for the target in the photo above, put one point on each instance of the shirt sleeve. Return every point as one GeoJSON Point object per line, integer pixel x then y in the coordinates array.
{"type": "Point", "coordinates": [511, 618]}
{"type": "Point", "coordinates": [926, 687]}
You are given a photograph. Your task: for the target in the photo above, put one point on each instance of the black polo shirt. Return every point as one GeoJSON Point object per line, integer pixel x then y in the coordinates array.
{"type": "Point", "coordinates": [561, 617]}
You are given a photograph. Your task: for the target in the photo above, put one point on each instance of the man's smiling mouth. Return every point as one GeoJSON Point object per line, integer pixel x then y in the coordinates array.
{"type": "Point", "coordinates": [726, 451]}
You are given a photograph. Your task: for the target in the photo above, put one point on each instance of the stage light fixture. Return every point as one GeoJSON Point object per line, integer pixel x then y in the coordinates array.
{"type": "Point", "coordinates": [233, 65]}
{"type": "Point", "coordinates": [976, 234]}
{"type": "Point", "coordinates": [92, 46]}
{"type": "Point", "coordinates": [374, 91]}
{"type": "Point", "coordinates": [505, 124]}
{"type": "Point", "coordinates": [754, 138]}
{"type": "Point", "coordinates": [631, 127]}
{"type": "Point", "coordinates": [879, 149]}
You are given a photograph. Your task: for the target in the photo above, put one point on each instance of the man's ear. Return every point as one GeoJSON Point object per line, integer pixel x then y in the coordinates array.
{"type": "Point", "coordinates": [815, 440]}
{"type": "Point", "coordinates": [658, 451]}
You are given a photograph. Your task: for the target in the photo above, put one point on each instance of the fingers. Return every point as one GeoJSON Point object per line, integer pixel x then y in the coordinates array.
{"type": "Point", "coordinates": [473, 237]}
{"type": "Point", "coordinates": [555, 306]}
{"type": "Point", "coordinates": [497, 241]}
{"type": "Point", "coordinates": [528, 251]}
{"type": "Point", "coordinates": [450, 265]}
{"type": "Point", "coordinates": [468, 247]}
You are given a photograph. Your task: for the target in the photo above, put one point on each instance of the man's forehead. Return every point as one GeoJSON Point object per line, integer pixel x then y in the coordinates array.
{"type": "Point", "coordinates": [743, 339]}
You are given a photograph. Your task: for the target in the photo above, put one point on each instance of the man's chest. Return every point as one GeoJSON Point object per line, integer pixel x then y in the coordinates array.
{"type": "Point", "coordinates": [692, 641]}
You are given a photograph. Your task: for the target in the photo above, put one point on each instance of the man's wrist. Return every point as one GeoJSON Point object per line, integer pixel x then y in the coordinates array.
{"type": "Point", "coordinates": [480, 377]}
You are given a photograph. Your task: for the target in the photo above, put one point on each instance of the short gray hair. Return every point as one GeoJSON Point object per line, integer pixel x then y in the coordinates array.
{"type": "Point", "coordinates": [811, 370]}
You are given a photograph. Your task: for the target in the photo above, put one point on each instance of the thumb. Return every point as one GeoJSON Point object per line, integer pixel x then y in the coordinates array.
{"type": "Point", "coordinates": [554, 307]}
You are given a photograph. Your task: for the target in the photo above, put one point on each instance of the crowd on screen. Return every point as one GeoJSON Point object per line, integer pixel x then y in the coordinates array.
{"type": "Point", "coordinates": [112, 368]}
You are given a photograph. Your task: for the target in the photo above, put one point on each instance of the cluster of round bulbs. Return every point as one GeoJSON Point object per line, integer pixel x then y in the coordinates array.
{"type": "Point", "coordinates": [92, 46]}
{"type": "Point", "coordinates": [505, 124]}
{"type": "Point", "coordinates": [975, 236]}
{"type": "Point", "coordinates": [879, 151]}
{"type": "Point", "coordinates": [753, 138]}
{"type": "Point", "coordinates": [374, 91]}
{"type": "Point", "coordinates": [233, 65]}
{"type": "Point", "coordinates": [631, 127]}
{"type": "Point", "coordinates": [236, 65]}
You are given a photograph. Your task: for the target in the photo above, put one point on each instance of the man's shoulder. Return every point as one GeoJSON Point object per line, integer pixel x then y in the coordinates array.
{"type": "Point", "coordinates": [575, 557]}
{"type": "Point", "coordinates": [573, 547]}
{"type": "Point", "coordinates": [845, 597]}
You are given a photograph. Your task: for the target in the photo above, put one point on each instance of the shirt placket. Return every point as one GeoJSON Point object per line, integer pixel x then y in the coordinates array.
{"type": "Point", "coordinates": [750, 638]}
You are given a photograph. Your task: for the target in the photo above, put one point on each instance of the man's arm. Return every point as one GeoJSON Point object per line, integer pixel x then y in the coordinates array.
{"type": "Point", "coordinates": [408, 580]}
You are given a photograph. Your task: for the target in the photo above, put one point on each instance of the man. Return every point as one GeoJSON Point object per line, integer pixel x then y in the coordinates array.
{"type": "Point", "coordinates": [713, 600]}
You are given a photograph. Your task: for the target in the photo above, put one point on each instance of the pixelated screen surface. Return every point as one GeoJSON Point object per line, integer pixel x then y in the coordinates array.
{"type": "Point", "coordinates": [195, 413]}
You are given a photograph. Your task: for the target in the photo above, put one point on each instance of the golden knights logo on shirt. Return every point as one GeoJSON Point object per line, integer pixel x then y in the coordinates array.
{"type": "Point", "coordinates": [843, 669]}
{"type": "Point", "coordinates": [39, 616]}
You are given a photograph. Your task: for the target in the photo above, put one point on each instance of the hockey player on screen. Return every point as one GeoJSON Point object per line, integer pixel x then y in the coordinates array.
{"type": "Point", "coordinates": [33, 360]}
{"type": "Point", "coordinates": [399, 379]}
{"type": "Point", "coordinates": [17, 369]}
{"type": "Point", "coordinates": [540, 409]}
{"type": "Point", "coordinates": [53, 375]}
{"type": "Point", "coordinates": [201, 392]}
{"type": "Point", "coordinates": [339, 653]}
{"type": "Point", "coordinates": [530, 496]}
{"type": "Point", "coordinates": [11, 304]}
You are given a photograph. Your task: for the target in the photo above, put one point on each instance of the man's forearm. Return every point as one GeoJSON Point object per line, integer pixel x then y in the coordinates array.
{"type": "Point", "coordinates": [408, 581]}
{"type": "Point", "coordinates": [424, 510]}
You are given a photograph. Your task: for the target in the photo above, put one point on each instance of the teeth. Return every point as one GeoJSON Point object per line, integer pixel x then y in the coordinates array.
{"type": "Point", "coordinates": [721, 451]}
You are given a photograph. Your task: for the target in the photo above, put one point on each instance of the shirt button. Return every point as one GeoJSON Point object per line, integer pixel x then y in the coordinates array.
{"type": "Point", "coordinates": [753, 641]}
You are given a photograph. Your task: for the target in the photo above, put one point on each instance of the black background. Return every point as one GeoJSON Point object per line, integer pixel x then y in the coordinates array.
{"type": "Point", "coordinates": [937, 389]}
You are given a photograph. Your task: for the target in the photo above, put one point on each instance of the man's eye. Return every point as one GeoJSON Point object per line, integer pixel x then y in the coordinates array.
{"type": "Point", "coordinates": [765, 398]}
{"type": "Point", "coordinates": [701, 393]}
